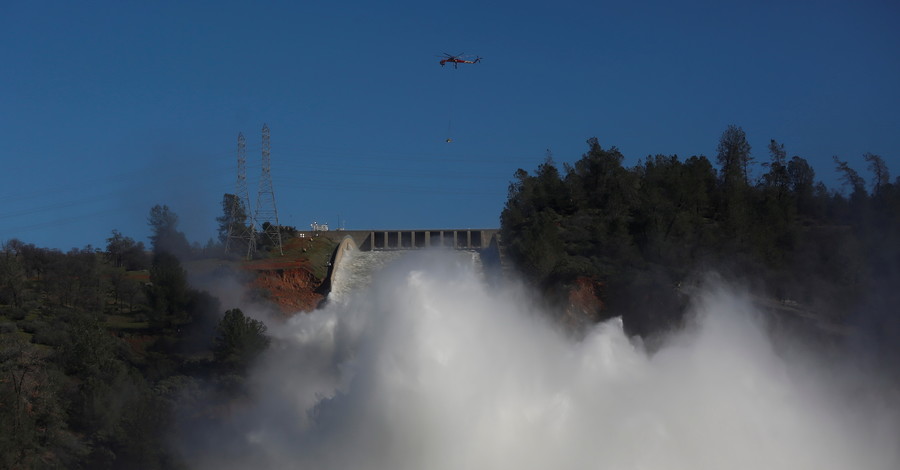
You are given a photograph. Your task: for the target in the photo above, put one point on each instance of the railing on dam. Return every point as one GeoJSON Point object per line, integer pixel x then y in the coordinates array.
{"type": "Point", "coordinates": [368, 240]}
{"type": "Point", "coordinates": [484, 241]}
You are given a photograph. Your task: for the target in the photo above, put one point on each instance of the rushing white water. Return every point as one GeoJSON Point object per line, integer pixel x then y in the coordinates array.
{"type": "Point", "coordinates": [357, 268]}
{"type": "Point", "coordinates": [428, 368]}
{"type": "Point", "coordinates": [355, 271]}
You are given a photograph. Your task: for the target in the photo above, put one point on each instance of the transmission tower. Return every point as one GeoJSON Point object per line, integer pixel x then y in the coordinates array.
{"type": "Point", "coordinates": [241, 231]}
{"type": "Point", "coordinates": [265, 200]}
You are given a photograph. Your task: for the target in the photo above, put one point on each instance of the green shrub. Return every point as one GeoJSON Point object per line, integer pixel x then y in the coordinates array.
{"type": "Point", "coordinates": [8, 327]}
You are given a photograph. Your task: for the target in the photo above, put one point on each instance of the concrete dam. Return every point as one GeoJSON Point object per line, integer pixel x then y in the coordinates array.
{"type": "Point", "coordinates": [376, 240]}
{"type": "Point", "coordinates": [483, 243]}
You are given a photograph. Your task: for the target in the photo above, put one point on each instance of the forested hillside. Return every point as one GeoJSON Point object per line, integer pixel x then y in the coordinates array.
{"type": "Point", "coordinates": [646, 231]}
{"type": "Point", "coordinates": [108, 356]}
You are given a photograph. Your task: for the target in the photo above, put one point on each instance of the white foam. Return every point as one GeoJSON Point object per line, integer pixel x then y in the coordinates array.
{"type": "Point", "coordinates": [430, 369]}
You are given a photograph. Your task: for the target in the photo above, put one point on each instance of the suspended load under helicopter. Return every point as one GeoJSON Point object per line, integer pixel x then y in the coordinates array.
{"type": "Point", "coordinates": [456, 60]}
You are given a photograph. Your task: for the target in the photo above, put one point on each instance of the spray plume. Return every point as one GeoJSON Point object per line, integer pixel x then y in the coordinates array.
{"type": "Point", "coordinates": [431, 369]}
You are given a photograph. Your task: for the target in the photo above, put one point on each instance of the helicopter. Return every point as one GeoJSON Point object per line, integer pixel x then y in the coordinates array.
{"type": "Point", "coordinates": [457, 59]}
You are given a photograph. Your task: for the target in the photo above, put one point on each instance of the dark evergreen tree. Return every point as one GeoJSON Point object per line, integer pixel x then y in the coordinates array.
{"type": "Point", "coordinates": [774, 230]}
{"type": "Point", "coordinates": [234, 219]}
{"type": "Point", "coordinates": [165, 236]}
{"type": "Point", "coordinates": [12, 276]}
{"type": "Point", "coordinates": [124, 252]}
{"type": "Point", "coordinates": [240, 339]}
{"type": "Point", "coordinates": [34, 432]}
{"type": "Point", "coordinates": [881, 174]}
{"type": "Point", "coordinates": [733, 156]}
{"type": "Point", "coordinates": [168, 292]}
{"type": "Point", "coordinates": [802, 184]}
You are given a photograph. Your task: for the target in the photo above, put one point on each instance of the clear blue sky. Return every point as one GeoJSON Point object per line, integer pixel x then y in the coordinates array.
{"type": "Point", "coordinates": [107, 108]}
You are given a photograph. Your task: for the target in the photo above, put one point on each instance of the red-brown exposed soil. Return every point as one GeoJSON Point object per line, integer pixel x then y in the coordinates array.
{"type": "Point", "coordinates": [584, 301]}
{"type": "Point", "coordinates": [288, 283]}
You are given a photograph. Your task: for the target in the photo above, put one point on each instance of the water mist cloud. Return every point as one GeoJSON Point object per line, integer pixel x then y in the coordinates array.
{"type": "Point", "coordinates": [429, 368]}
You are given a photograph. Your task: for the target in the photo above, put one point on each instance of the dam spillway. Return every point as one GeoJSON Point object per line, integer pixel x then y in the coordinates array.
{"type": "Point", "coordinates": [375, 240]}
{"type": "Point", "coordinates": [354, 268]}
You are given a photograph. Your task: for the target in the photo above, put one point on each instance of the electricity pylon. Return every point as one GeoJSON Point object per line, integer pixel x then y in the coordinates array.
{"type": "Point", "coordinates": [241, 233]}
{"type": "Point", "coordinates": [266, 211]}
